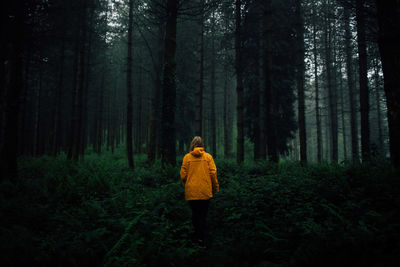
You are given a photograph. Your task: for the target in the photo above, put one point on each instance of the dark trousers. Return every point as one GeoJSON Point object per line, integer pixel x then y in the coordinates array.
{"type": "Point", "coordinates": [199, 214]}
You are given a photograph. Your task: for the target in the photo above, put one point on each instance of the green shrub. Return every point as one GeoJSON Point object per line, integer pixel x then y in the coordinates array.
{"type": "Point", "coordinates": [99, 212]}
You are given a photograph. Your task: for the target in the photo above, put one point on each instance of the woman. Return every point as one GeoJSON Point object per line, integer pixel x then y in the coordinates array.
{"type": "Point", "coordinates": [199, 176]}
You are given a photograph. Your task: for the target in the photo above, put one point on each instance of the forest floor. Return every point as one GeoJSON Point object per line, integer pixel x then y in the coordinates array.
{"type": "Point", "coordinates": [98, 212]}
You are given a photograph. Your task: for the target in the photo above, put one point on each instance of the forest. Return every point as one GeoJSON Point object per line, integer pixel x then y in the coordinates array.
{"type": "Point", "coordinates": [298, 102]}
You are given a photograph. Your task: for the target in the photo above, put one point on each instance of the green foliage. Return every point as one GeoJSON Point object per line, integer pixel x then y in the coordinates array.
{"type": "Point", "coordinates": [98, 212]}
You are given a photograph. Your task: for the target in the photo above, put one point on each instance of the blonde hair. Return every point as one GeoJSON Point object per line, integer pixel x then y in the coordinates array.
{"type": "Point", "coordinates": [196, 142]}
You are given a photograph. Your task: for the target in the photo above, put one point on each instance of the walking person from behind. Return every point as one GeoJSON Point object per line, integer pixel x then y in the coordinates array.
{"type": "Point", "coordinates": [199, 176]}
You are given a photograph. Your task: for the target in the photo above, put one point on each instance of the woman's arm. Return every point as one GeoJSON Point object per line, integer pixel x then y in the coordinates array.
{"type": "Point", "coordinates": [184, 170]}
{"type": "Point", "coordinates": [213, 175]}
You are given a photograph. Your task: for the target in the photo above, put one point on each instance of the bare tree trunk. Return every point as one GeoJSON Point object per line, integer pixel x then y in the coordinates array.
{"type": "Point", "coordinates": [227, 131]}
{"type": "Point", "coordinates": [350, 80]}
{"type": "Point", "coordinates": [200, 84]}
{"type": "Point", "coordinates": [300, 82]}
{"type": "Point", "coordinates": [85, 89]}
{"type": "Point", "coordinates": [378, 107]}
{"type": "Point", "coordinates": [57, 103]}
{"type": "Point", "coordinates": [82, 69]}
{"type": "Point", "coordinates": [269, 90]}
{"type": "Point", "coordinates": [154, 128]}
{"type": "Point", "coordinates": [342, 113]}
{"type": "Point", "coordinates": [129, 90]}
{"type": "Point", "coordinates": [317, 108]}
{"type": "Point", "coordinates": [239, 84]}
{"type": "Point", "coordinates": [262, 110]}
{"type": "Point", "coordinates": [363, 68]}
{"type": "Point", "coordinates": [75, 95]}
{"type": "Point", "coordinates": [168, 151]}
{"type": "Point", "coordinates": [331, 91]}
{"type": "Point", "coordinates": [389, 43]}
{"type": "Point", "coordinates": [213, 81]}
{"type": "Point", "coordinates": [37, 118]}
{"type": "Point", "coordinates": [12, 87]}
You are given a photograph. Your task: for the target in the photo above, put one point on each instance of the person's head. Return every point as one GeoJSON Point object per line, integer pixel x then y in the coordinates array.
{"type": "Point", "coordinates": [196, 142]}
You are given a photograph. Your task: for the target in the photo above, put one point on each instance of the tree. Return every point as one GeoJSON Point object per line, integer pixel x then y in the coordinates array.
{"type": "Point", "coordinates": [363, 80]}
{"type": "Point", "coordinates": [239, 83]}
{"type": "Point", "coordinates": [129, 104]}
{"type": "Point", "coordinates": [200, 83]}
{"type": "Point", "coordinates": [13, 18]}
{"type": "Point", "coordinates": [213, 82]}
{"type": "Point", "coordinates": [332, 99]}
{"type": "Point", "coordinates": [350, 83]}
{"type": "Point", "coordinates": [317, 97]}
{"type": "Point", "coordinates": [168, 145]}
{"type": "Point", "coordinates": [389, 43]}
{"type": "Point", "coordinates": [300, 82]}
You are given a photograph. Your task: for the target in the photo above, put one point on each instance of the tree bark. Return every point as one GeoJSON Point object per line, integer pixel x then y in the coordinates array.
{"type": "Point", "coordinates": [200, 83]}
{"type": "Point", "coordinates": [331, 91]}
{"type": "Point", "coordinates": [363, 79]}
{"type": "Point", "coordinates": [342, 114]}
{"type": "Point", "coordinates": [213, 81]}
{"type": "Point", "coordinates": [389, 43]}
{"type": "Point", "coordinates": [378, 108]}
{"type": "Point", "coordinates": [227, 128]}
{"type": "Point", "coordinates": [154, 128]}
{"type": "Point", "coordinates": [168, 151]}
{"type": "Point", "coordinates": [300, 82]}
{"type": "Point", "coordinates": [317, 108]}
{"type": "Point", "coordinates": [239, 84]}
{"type": "Point", "coordinates": [350, 81]}
{"type": "Point", "coordinates": [12, 83]}
{"type": "Point", "coordinates": [269, 89]}
{"type": "Point", "coordinates": [262, 110]}
{"type": "Point", "coordinates": [37, 117]}
{"type": "Point", "coordinates": [129, 108]}
{"type": "Point", "coordinates": [57, 103]}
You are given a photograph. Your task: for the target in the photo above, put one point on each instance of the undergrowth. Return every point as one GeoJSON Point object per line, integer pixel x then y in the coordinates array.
{"type": "Point", "coordinates": [99, 212]}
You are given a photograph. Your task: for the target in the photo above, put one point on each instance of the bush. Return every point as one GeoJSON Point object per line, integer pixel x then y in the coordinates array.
{"type": "Point", "coordinates": [98, 212]}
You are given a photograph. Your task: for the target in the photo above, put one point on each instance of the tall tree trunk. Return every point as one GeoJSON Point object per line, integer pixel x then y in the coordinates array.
{"type": "Point", "coordinates": [300, 82]}
{"type": "Point", "coordinates": [23, 131]}
{"type": "Point", "coordinates": [317, 108]}
{"type": "Point", "coordinates": [129, 115]}
{"type": "Point", "coordinates": [85, 89]}
{"type": "Point", "coordinates": [331, 91]}
{"type": "Point", "coordinates": [200, 83]}
{"type": "Point", "coordinates": [342, 114]}
{"type": "Point", "coordinates": [37, 118]}
{"type": "Point", "coordinates": [389, 43]}
{"type": "Point", "coordinates": [227, 130]}
{"type": "Point", "coordinates": [363, 79]}
{"type": "Point", "coordinates": [154, 128]}
{"type": "Point", "coordinates": [213, 81]}
{"type": "Point", "coordinates": [239, 83]}
{"type": "Point", "coordinates": [262, 110]}
{"type": "Point", "coordinates": [82, 69]}
{"type": "Point", "coordinates": [57, 102]}
{"type": "Point", "coordinates": [75, 95]}
{"type": "Point", "coordinates": [378, 108]}
{"type": "Point", "coordinates": [350, 80]}
{"type": "Point", "coordinates": [256, 123]}
{"type": "Point", "coordinates": [168, 152]}
{"type": "Point", "coordinates": [269, 89]}
{"type": "Point", "coordinates": [12, 68]}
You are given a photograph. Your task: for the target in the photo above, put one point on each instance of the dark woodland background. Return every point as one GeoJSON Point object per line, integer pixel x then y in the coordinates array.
{"type": "Point", "coordinates": [298, 101]}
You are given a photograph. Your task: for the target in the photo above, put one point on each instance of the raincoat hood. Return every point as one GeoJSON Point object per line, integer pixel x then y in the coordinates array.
{"type": "Point", "coordinates": [197, 152]}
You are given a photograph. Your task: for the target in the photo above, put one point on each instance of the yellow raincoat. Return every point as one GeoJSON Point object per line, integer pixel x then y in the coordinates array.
{"type": "Point", "coordinates": [199, 175]}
